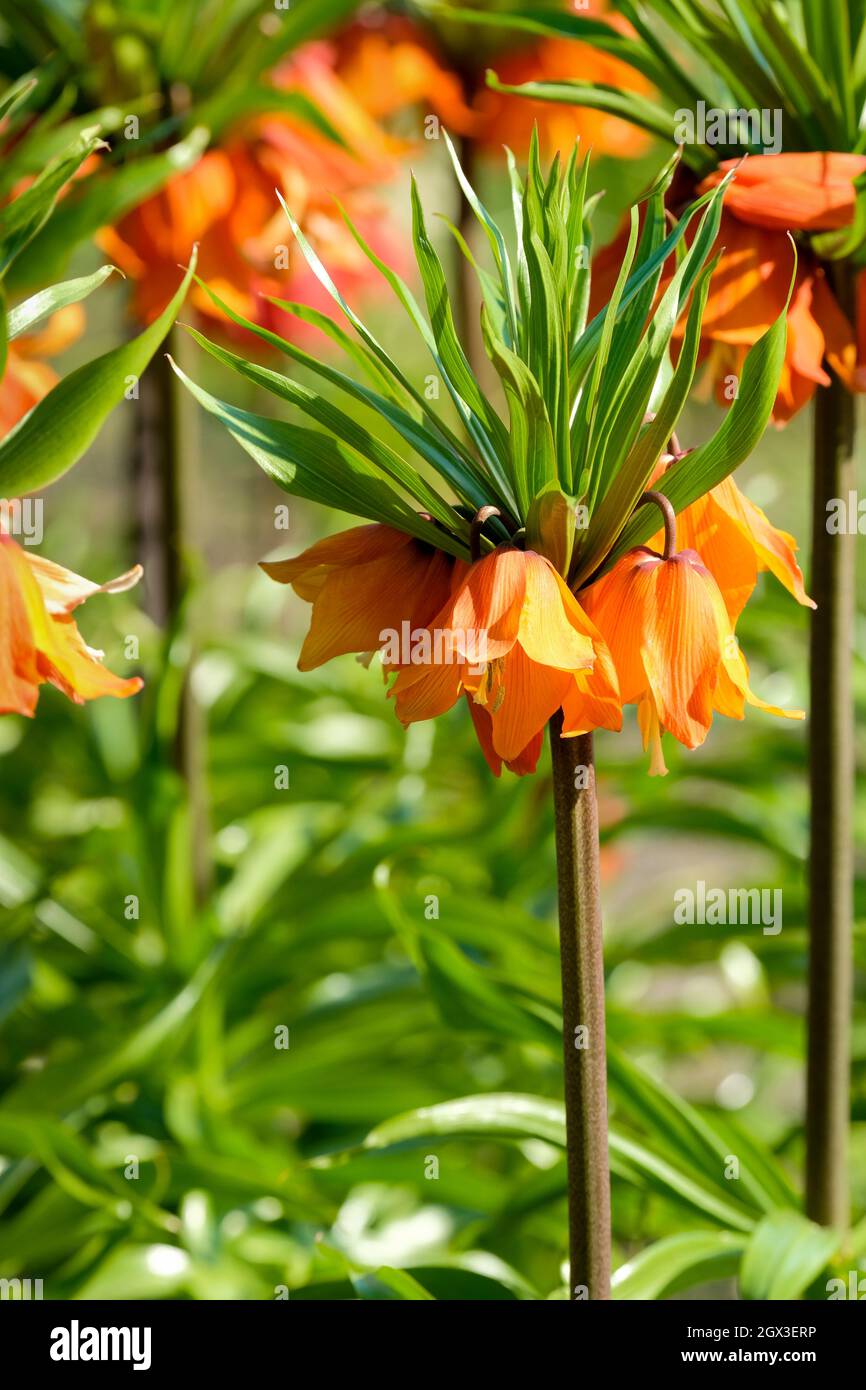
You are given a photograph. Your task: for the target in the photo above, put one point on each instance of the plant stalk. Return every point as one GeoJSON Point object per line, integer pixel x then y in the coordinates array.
{"type": "Point", "coordinates": [583, 1014]}
{"type": "Point", "coordinates": [158, 491]}
{"type": "Point", "coordinates": [831, 775]}
{"type": "Point", "coordinates": [160, 509]}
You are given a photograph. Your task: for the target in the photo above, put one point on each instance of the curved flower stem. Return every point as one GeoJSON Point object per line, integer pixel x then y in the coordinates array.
{"type": "Point", "coordinates": [582, 960]}
{"type": "Point", "coordinates": [475, 530]}
{"type": "Point", "coordinates": [831, 770]}
{"type": "Point", "coordinates": [668, 515]}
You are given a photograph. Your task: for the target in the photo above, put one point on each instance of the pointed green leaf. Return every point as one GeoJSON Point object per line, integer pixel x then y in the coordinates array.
{"type": "Point", "coordinates": [432, 445]}
{"type": "Point", "coordinates": [786, 1253]}
{"type": "Point", "coordinates": [309, 464]}
{"type": "Point", "coordinates": [344, 427]}
{"type": "Point", "coordinates": [531, 446]}
{"type": "Point", "coordinates": [25, 316]}
{"type": "Point", "coordinates": [63, 425]}
{"type": "Point", "coordinates": [550, 526]}
{"type": "Point", "coordinates": [678, 1262]}
{"type": "Point", "coordinates": [100, 200]}
{"type": "Point", "coordinates": [743, 426]}
{"type": "Point", "coordinates": [24, 216]}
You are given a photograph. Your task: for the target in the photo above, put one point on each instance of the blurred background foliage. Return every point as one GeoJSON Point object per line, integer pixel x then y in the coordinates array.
{"type": "Point", "coordinates": [185, 1086]}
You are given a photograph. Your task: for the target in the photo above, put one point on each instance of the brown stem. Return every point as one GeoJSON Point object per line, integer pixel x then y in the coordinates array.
{"type": "Point", "coordinates": [159, 544]}
{"type": "Point", "coordinates": [481, 516]}
{"type": "Point", "coordinates": [668, 515]}
{"type": "Point", "coordinates": [831, 772]}
{"type": "Point", "coordinates": [157, 491]}
{"type": "Point", "coordinates": [582, 960]}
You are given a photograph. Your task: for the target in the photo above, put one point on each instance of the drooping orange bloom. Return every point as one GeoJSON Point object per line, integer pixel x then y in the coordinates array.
{"type": "Point", "coordinates": [673, 645]}
{"type": "Point", "coordinates": [518, 643]}
{"type": "Point", "coordinates": [28, 377]}
{"type": "Point", "coordinates": [39, 640]}
{"type": "Point", "coordinates": [363, 584]}
{"type": "Point", "coordinates": [227, 205]}
{"type": "Point", "coordinates": [505, 631]}
{"type": "Point", "coordinates": [390, 65]}
{"type": "Point", "coordinates": [811, 192]}
{"type": "Point", "coordinates": [771, 195]}
{"type": "Point", "coordinates": [510, 120]}
{"type": "Point", "coordinates": [736, 542]}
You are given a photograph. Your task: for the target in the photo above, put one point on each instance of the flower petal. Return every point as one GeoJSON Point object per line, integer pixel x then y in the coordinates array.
{"type": "Point", "coordinates": [552, 624]}
{"type": "Point", "coordinates": [665, 634]}
{"type": "Point", "coordinates": [308, 571]}
{"type": "Point", "coordinates": [808, 192]}
{"type": "Point", "coordinates": [526, 696]}
{"type": "Point", "coordinates": [19, 675]}
{"type": "Point", "coordinates": [63, 590]}
{"type": "Point", "coordinates": [424, 692]}
{"type": "Point", "coordinates": [490, 600]}
{"type": "Point", "coordinates": [356, 605]}
{"type": "Point", "coordinates": [774, 549]}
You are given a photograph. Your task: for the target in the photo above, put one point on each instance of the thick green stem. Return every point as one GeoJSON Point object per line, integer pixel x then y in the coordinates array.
{"type": "Point", "coordinates": [831, 770]}
{"type": "Point", "coordinates": [582, 959]}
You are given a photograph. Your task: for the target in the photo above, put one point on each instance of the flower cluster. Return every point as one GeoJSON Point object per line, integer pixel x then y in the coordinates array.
{"type": "Point", "coordinates": [771, 197]}
{"type": "Point", "coordinates": [225, 204]}
{"type": "Point", "coordinates": [655, 631]}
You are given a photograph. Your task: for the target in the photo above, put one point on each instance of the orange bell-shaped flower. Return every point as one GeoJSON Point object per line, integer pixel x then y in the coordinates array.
{"type": "Point", "coordinates": [39, 641]}
{"type": "Point", "coordinates": [363, 584]}
{"type": "Point", "coordinates": [516, 640]}
{"type": "Point", "coordinates": [672, 640]}
{"type": "Point", "coordinates": [736, 542]}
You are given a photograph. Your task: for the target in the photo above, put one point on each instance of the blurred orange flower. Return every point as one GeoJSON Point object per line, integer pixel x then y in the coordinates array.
{"type": "Point", "coordinates": [39, 640]}
{"type": "Point", "coordinates": [771, 195]}
{"type": "Point", "coordinates": [28, 377]}
{"type": "Point", "coordinates": [391, 64]}
{"type": "Point", "coordinates": [228, 205]}
{"type": "Point", "coordinates": [509, 120]}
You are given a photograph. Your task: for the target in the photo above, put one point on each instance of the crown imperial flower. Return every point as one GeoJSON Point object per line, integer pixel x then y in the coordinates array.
{"type": "Point", "coordinates": [673, 644]}
{"type": "Point", "coordinates": [39, 640]}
